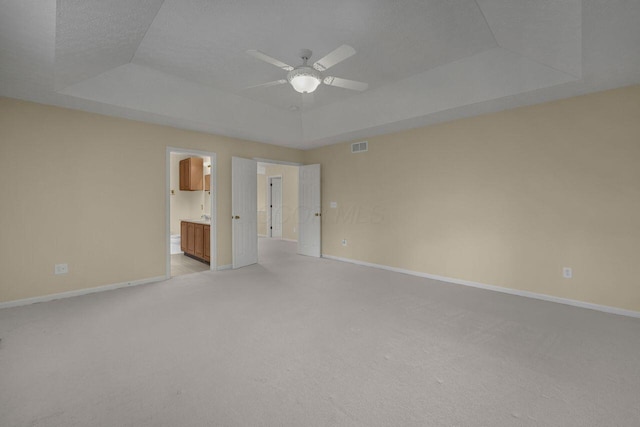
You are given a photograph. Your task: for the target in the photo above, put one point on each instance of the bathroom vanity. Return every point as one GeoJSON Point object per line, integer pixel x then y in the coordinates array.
{"type": "Point", "coordinates": [195, 240]}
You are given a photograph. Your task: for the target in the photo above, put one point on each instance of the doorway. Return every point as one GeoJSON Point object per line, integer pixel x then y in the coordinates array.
{"type": "Point", "coordinates": [301, 210]}
{"type": "Point", "coordinates": [191, 200]}
{"type": "Point", "coordinates": [277, 201]}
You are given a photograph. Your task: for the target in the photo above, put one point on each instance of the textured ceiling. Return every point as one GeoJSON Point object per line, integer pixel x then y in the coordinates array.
{"type": "Point", "coordinates": [96, 36]}
{"type": "Point", "coordinates": [205, 42]}
{"type": "Point", "coordinates": [546, 31]}
{"type": "Point", "coordinates": [184, 62]}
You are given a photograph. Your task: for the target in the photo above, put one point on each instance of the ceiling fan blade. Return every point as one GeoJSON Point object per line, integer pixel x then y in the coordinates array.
{"type": "Point", "coordinates": [334, 57]}
{"type": "Point", "coordinates": [266, 58]}
{"type": "Point", "coordinates": [346, 84]}
{"type": "Point", "coordinates": [268, 84]}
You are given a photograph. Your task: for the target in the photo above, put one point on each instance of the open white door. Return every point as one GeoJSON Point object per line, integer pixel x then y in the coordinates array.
{"type": "Point", "coordinates": [275, 207]}
{"type": "Point", "coordinates": [244, 211]}
{"type": "Point", "coordinates": [309, 212]}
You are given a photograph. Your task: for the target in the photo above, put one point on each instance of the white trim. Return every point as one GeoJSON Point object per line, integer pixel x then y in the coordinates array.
{"type": "Point", "coordinates": [224, 267]}
{"type": "Point", "coordinates": [213, 181]}
{"type": "Point", "coordinates": [269, 208]}
{"type": "Point", "coordinates": [289, 240]}
{"type": "Point", "coordinates": [267, 193]}
{"type": "Point", "coordinates": [517, 292]}
{"type": "Point", "coordinates": [277, 162]}
{"type": "Point", "coordinates": [262, 235]}
{"type": "Point", "coordinates": [79, 292]}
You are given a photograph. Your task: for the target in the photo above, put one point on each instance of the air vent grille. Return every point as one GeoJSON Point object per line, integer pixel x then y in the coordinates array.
{"type": "Point", "coordinates": [359, 147]}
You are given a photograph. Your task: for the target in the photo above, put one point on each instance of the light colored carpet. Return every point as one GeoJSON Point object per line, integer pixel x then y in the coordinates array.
{"type": "Point", "coordinates": [298, 341]}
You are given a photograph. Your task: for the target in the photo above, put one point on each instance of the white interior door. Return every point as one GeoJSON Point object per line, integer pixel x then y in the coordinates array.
{"type": "Point", "coordinates": [275, 186]}
{"type": "Point", "coordinates": [309, 218]}
{"type": "Point", "coordinates": [244, 208]}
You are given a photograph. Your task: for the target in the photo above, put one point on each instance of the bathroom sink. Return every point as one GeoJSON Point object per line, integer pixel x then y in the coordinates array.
{"type": "Point", "coordinates": [198, 221]}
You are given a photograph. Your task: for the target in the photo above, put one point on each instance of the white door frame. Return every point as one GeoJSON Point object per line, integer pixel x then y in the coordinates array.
{"type": "Point", "coordinates": [277, 162]}
{"type": "Point", "coordinates": [213, 230]}
{"type": "Point", "coordinates": [269, 178]}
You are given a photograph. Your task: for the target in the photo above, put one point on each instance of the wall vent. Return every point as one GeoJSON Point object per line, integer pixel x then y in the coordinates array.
{"type": "Point", "coordinates": [359, 147]}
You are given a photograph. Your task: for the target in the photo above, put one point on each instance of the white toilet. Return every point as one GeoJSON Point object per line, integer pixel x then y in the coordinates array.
{"type": "Point", "coordinates": [175, 244]}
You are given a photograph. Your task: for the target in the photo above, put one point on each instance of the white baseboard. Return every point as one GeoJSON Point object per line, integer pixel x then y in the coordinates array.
{"type": "Point", "coordinates": [69, 294]}
{"type": "Point", "coordinates": [224, 267]}
{"type": "Point", "coordinates": [278, 238]}
{"type": "Point", "coordinates": [527, 294]}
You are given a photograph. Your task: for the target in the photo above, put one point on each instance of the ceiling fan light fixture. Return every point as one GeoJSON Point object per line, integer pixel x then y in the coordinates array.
{"type": "Point", "coordinates": [304, 79]}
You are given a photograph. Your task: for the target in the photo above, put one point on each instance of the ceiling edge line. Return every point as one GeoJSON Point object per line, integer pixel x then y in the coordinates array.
{"type": "Point", "coordinates": [146, 31]}
{"type": "Point", "coordinates": [577, 77]}
{"type": "Point", "coordinates": [543, 64]}
{"type": "Point", "coordinates": [486, 21]}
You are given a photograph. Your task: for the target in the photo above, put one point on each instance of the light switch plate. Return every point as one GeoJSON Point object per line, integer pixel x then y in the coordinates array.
{"type": "Point", "coordinates": [334, 205]}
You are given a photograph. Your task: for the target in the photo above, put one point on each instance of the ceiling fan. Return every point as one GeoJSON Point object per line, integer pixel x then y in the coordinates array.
{"type": "Point", "coordinates": [306, 78]}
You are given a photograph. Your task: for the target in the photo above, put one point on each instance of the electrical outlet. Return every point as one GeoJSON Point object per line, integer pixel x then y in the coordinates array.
{"type": "Point", "coordinates": [567, 272]}
{"type": "Point", "coordinates": [333, 205]}
{"type": "Point", "coordinates": [344, 242]}
{"type": "Point", "coordinates": [294, 229]}
{"type": "Point", "coordinates": [61, 269]}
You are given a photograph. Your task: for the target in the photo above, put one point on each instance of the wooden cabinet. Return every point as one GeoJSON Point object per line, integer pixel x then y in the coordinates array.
{"type": "Point", "coordinates": [199, 240]}
{"type": "Point", "coordinates": [191, 174]}
{"type": "Point", "coordinates": [207, 243]}
{"type": "Point", "coordinates": [191, 238]}
{"type": "Point", "coordinates": [183, 238]}
{"type": "Point", "coordinates": [195, 241]}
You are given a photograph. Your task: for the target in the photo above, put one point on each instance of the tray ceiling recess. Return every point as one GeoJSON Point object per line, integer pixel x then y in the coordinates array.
{"type": "Point", "coordinates": [184, 62]}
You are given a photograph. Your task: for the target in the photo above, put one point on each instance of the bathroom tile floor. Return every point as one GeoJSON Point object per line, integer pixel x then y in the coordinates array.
{"type": "Point", "coordinates": [182, 264]}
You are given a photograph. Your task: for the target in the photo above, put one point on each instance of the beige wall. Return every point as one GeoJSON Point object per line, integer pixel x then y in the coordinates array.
{"type": "Point", "coordinates": [506, 199]}
{"type": "Point", "coordinates": [89, 190]}
{"type": "Point", "coordinates": [289, 176]}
